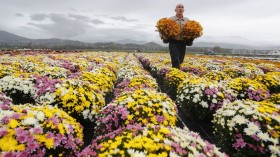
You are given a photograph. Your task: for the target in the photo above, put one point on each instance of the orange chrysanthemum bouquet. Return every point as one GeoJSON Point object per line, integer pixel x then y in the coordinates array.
{"type": "Point", "coordinates": [192, 30]}
{"type": "Point", "coordinates": [167, 28]}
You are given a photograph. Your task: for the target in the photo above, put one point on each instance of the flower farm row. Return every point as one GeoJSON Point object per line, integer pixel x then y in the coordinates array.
{"type": "Point", "coordinates": [44, 99]}
{"type": "Point", "coordinates": [241, 97]}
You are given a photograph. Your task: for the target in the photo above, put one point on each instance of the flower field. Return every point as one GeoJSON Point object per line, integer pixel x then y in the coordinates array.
{"type": "Point", "coordinates": [124, 104]}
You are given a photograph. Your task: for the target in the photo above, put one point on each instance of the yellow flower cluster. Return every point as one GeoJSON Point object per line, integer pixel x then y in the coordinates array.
{"type": "Point", "coordinates": [136, 82]}
{"type": "Point", "coordinates": [240, 86]}
{"type": "Point", "coordinates": [103, 78]}
{"type": "Point", "coordinates": [8, 70]}
{"type": "Point", "coordinates": [174, 77]}
{"type": "Point", "coordinates": [79, 98]}
{"type": "Point", "coordinates": [274, 74]}
{"type": "Point", "coordinates": [216, 75]}
{"type": "Point", "coordinates": [151, 141]}
{"type": "Point", "coordinates": [234, 72]}
{"type": "Point", "coordinates": [191, 30]}
{"type": "Point", "coordinates": [168, 27]}
{"type": "Point", "coordinates": [127, 144]}
{"type": "Point", "coordinates": [145, 105]}
{"type": "Point", "coordinates": [272, 82]}
{"type": "Point", "coordinates": [275, 98]}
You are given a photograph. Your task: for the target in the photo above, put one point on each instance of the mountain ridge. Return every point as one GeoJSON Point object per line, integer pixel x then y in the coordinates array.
{"type": "Point", "coordinates": [11, 40]}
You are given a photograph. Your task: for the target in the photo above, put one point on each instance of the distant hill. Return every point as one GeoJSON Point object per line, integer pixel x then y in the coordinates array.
{"type": "Point", "coordinates": [9, 40]}
{"type": "Point", "coordinates": [130, 41]}
{"type": "Point", "coordinates": [6, 37]}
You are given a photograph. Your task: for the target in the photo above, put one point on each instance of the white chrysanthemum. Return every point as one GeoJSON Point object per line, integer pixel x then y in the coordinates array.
{"type": "Point", "coordinates": [274, 140]}
{"type": "Point", "coordinates": [274, 149]}
{"type": "Point", "coordinates": [86, 113]}
{"type": "Point", "coordinates": [90, 116]}
{"type": "Point", "coordinates": [249, 112]}
{"type": "Point", "coordinates": [173, 154]}
{"type": "Point", "coordinates": [46, 98]}
{"type": "Point", "coordinates": [130, 151]}
{"type": "Point", "coordinates": [57, 85]}
{"type": "Point", "coordinates": [263, 136]}
{"type": "Point", "coordinates": [129, 99]}
{"type": "Point", "coordinates": [167, 141]}
{"type": "Point", "coordinates": [229, 112]}
{"type": "Point", "coordinates": [195, 100]}
{"type": "Point", "coordinates": [204, 104]}
{"type": "Point", "coordinates": [30, 121]}
{"type": "Point", "coordinates": [165, 104]}
{"type": "Point", "coordinates": [150, 103]}
{"type": "Point", "coordinates": [252, 129]}
{"type": "Point", "coordinates": [186, 90]}
{"type": "Point", "coordinates": [196, 89]}
{"type": "Point", "coordinates": [240, 119]}
{"type": "Point", "coordinates": [40, 116]}
{"type": "Point", "coordinates": [64, 90]}
{"type": "Point", "coordinates": [138, 154]}
{"type": "Point", "coordinates": [214, 101]}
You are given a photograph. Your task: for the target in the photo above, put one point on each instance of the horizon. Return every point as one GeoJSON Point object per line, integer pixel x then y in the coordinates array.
{"type": "Point", "coordinates": [202, 44]}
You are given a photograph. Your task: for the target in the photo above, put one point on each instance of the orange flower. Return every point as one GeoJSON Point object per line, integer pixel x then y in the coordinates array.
{"type": "Point", "coordinates": [168, 27]}
{"type": "Point", "coordinates": [191, 30]}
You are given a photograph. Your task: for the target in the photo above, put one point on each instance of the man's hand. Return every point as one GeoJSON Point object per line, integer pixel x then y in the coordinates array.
{"type": "Point", "coordinates": [189, 42]}
{"type": "Point", "coordinates": [164, 38]}
{"type": "Point", "coordinates": [165, 41]}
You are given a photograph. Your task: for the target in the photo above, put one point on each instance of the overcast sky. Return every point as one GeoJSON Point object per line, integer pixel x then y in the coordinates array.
{"type": "Point", "coordinates": [238, 21]}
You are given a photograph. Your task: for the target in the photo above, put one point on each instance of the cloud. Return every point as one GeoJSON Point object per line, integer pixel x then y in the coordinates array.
{"type": "Point", "coordinates": [72, 9]}
{"type": "Point", "coordinates": [38, 17]}
{"type": "Point", "coordinates": [19, 14]}
{"type": "Point", "coordinates": [97, 21]}
{"type": "Point", "coordinates": [79, 17]}
{"type": "Point", "coordinates": [122, 18]}
{"type": "Point", "coordinates": [113, 34]}
{"type": "Point", "coordinates": [63, 26]}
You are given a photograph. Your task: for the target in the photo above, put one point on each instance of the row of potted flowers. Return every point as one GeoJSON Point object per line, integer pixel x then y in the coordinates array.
{"type": "Point", "coordinates": [36, 107]}
{"type": "Point", "coordinates": [140, 121]}
{"type": "Point", "coordinates": [208, 98]}
{"type": "Point", "coordinates": [81, 93]}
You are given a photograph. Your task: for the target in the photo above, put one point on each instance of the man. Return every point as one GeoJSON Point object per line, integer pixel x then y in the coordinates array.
{"type": "Point", "coordinates": [177, 46]}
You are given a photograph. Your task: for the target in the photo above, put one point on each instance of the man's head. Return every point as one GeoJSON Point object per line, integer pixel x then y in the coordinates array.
{"type": "Point", "coordinates": [179, 9]}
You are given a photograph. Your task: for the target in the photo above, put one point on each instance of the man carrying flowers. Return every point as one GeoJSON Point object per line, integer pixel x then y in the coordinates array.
{"type": "Point", "coordinates": [177, 46]}
{"type": "Point", "coordinates": [179, 31]}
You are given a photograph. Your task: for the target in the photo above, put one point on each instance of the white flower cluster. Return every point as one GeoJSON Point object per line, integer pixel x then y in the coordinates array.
{"type": "Point", "coordinates": [48, 97]}
{"type": "Point", "coordinates": [201, 97]}
{"type": "Point", "coordinates": [193, 143]}
{"type": "Point", "coordinates": [246, 114]}
{"type": "Point", "coordinates": [14, 84]}
{"type": "Point", "coordinates": [213, 66]}
{"type": "Point", "coordinates": [53, 72]}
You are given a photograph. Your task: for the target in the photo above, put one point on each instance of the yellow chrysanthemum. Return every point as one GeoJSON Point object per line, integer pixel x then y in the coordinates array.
{"type": "Point", "coordinates": [168, 27]}
{"type": "Point", "coordinates": [191, 30]}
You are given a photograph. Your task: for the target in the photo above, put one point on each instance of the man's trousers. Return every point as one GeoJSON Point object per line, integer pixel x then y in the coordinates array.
{"type": "Point", "coordinates": [177, 50]}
